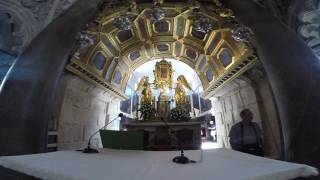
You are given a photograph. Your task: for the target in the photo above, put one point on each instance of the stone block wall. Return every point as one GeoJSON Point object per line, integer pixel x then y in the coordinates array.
{"type": "Point", "coordinates": [227, 105]}
{"type": "Point", "coordinates": [85, 108]}
{"type": "Point", "coordinates": [238, 95]}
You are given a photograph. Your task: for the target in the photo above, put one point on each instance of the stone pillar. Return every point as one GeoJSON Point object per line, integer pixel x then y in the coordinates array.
{"type": "Point", "coordinates": [27, 93]}
{"type": "Point", "coordinates": [294, 73]}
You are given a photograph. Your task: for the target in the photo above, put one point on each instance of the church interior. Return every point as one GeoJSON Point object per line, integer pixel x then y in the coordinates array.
{"type": "Point", "coordinates": [178, 71]}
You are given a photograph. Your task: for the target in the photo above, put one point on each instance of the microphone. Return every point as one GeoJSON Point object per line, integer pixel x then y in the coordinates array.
{"type": "Point", "coordinates": [178, 159]}
{"type": "Point", "coordinates": [90, 150]}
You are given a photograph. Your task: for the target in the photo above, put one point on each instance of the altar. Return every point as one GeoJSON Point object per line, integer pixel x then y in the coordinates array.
{"type": "Point", "coordinates": [221, 164]}
{"type": "Point", "coordinates": [164, 97]}
{"type": "Point", "coordinates": [161, 136]}
{"type": "Point", "coordinates": [165, 100]}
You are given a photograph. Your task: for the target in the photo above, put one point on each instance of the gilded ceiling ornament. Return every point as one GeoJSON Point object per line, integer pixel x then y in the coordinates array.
{"type": "Point", "coordinates": [85, 39]}
{"type": "Point", "coordinates": [124, 22]}
{"type": "Point", "coordinates": [202, 23]}
{"type": "Point", "coordinates": [157, 13]}
{"type": "Point", "coordinates": [241, 33]}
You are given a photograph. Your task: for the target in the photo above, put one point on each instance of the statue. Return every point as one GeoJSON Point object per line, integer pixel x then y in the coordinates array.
{"type": "Point", "coordinates": [180, 93]}
{"type": "Point", "coordinates": [146, 94]}
{"type": "Point", "coordinates": [146, 109]}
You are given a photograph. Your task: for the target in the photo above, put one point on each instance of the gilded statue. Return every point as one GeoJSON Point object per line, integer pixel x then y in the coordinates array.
{"type": "Point", "coordinates": [180, 93]}
{"type": "Point", "coordinates": [145, 88]}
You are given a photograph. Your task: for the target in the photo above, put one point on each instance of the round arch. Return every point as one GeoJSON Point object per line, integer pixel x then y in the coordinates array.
{"type": "Point", "coordinates": [32, 118]}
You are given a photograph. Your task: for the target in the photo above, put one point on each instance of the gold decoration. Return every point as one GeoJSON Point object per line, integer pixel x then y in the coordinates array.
{"type": "Point", "coordinates": [163, 75]}
{"type": "Point", "coordinates": [180, 93]}
{"type": "Point", "coordinates": [118, 45]}
{"type": "Point", "coordinates": [146, 94]}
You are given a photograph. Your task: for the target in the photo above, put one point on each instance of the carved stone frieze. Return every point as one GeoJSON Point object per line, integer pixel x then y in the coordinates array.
{"type": "Point", "coordinates": [301, 15]}
{"type": "Point", "coordinates": [27, 18]}
{"type": "Point", "coordinates": [62, 6]}
{"type": "Point", "coordinates": [20, 26]}
{"type": "Point", "coordinates": [309, 28]}
{"type": "Point", "coordinates": [39, 8]}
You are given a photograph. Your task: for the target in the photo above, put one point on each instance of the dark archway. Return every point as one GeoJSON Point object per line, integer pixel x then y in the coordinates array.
{"type": "Point", "coordinates": [27, 93]}
{"type": "Point", "coordinates": [294, 77]}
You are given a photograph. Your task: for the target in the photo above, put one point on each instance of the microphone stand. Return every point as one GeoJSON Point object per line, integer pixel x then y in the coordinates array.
{"type": "Point", "coordinates": [178, 159]}
{"type": "Point", "coordinates": [90, 150]}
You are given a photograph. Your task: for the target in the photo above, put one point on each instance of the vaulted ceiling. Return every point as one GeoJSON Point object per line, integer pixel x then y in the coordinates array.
{"type": "Point", "coordinates": [28, 17]}
{"type": "Point", "coordinates": [215, 56]}
{"type": "Point", "coordinates": [22, 20]}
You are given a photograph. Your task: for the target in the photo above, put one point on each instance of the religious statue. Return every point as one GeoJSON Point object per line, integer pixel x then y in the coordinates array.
{"type": "Point", "coordinates": [180, 93]}
{"type": "Point", "coordinates": [146, 94]}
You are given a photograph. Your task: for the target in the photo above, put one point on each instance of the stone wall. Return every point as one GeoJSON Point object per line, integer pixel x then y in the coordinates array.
{"type": "Point", "coordinates": [269, 118]}
{"type": "Point", "coordinates": [85, 108]}
{"type": "Point", "coordinates": [234, 97]}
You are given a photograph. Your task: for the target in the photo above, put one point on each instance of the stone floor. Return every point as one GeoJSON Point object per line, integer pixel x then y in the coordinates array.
{"type": "Point", "coordinates": [209, 145]}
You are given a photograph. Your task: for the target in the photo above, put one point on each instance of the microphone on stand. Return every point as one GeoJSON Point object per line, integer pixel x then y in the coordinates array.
{"type": "Point", "coordinates": [90, 150]}
{"type": "Point", "coordinates": [178, 159]}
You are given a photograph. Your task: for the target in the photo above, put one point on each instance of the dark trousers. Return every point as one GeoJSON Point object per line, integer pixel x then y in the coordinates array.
{"type": "Point", "coordinates": [253, 149]}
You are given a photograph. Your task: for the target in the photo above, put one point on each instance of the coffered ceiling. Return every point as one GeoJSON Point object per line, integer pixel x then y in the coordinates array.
{"type": "Point", "coordinates": [115, 54]}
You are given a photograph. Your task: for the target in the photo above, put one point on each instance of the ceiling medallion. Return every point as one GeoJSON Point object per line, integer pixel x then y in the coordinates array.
{"type": "Point", "coordinates": [157, 13]}
{"type": "Point", "coordinates": [241, 33]}
{"type": "Point", "coordinates": [201, 23]}
{"type": "Point", "coordinates": [124, 22]}
{"type": "Point", "coordinates": [86, 39]}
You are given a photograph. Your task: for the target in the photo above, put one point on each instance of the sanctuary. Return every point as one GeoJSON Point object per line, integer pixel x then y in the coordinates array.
{"type": "Point", "coordinates": [157, 100]}
{"type": "Point", "coordinates": [179, 71]}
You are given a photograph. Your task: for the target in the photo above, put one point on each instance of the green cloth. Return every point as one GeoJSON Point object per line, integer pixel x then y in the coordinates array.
{"type": "Point", "coordinates": [130, 140]}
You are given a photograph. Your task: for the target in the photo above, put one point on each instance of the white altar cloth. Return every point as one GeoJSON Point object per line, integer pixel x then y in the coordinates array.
{"type": "Point", "coordinates": [220, 164]}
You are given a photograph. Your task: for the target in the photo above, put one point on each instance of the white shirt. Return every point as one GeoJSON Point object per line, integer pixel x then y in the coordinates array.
{"type": "Point", "coordinates": [251, 134]}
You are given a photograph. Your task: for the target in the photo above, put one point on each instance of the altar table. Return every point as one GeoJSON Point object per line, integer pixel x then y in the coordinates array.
{"type": "Point", "coordinates": [219, 164]}
{"type": "Point", "coordinates": [160, 139]}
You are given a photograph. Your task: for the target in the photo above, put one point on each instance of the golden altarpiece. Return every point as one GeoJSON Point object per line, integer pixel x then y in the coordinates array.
{"type": "Point", "coordinates": [163, 81]}
{"type": "Point", "coordinates": [160, 98]}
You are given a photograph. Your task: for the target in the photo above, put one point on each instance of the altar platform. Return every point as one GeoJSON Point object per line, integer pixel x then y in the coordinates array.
{"type": "Point", "coordinates": [220, 164]}
{"type": "Point", "coordinates": [161, 136]}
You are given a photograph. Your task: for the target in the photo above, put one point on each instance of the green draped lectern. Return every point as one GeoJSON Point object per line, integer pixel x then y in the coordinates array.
{"type": "Point", "coordinates": [130, 140]}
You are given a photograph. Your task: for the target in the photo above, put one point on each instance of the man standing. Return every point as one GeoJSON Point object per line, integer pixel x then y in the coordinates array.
{"type": "Point", "coordinates": [246, 135]}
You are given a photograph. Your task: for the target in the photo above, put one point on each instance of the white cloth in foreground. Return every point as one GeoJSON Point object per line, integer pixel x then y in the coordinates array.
{"type": "Point", "coordinates": [221, 164]}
